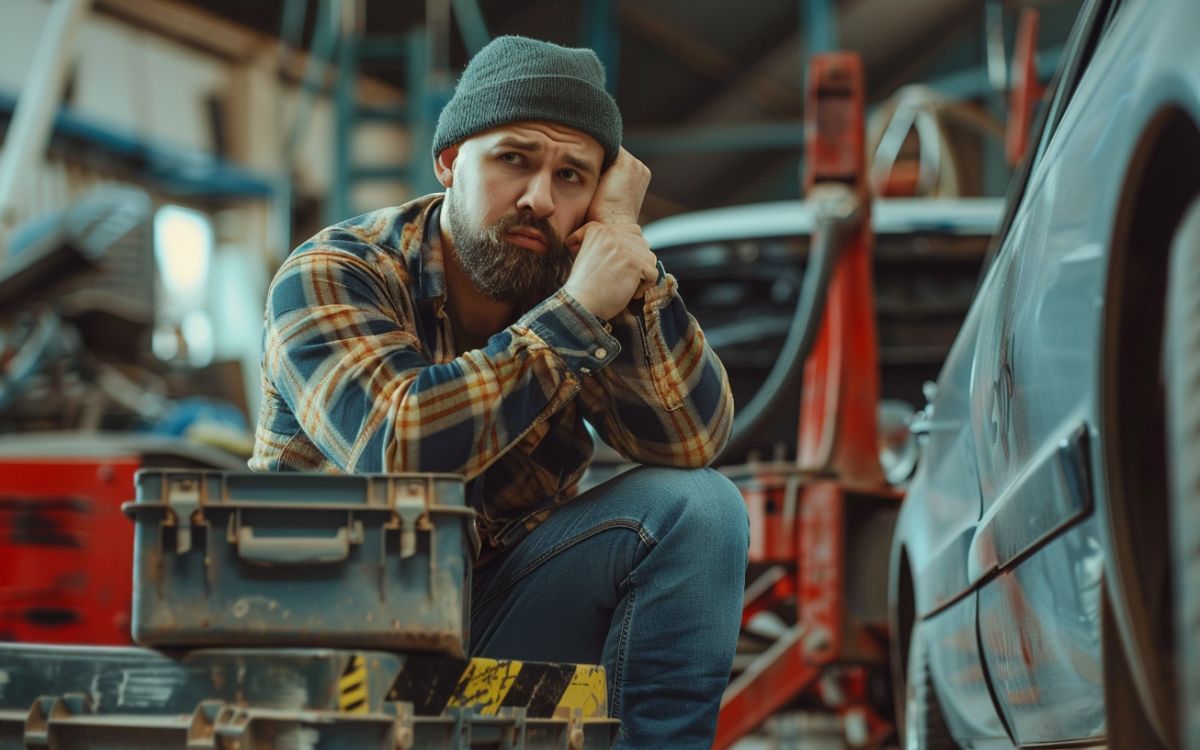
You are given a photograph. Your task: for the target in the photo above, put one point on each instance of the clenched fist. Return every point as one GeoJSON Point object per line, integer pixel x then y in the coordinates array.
{"type": "Point", "coordinates": [612, 258]}
{"type": "Point", "coordinates": [610, 267]}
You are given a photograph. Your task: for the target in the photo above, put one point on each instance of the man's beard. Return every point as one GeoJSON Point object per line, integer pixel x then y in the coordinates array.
{"type": "Point", "coordinates": [503, 271]}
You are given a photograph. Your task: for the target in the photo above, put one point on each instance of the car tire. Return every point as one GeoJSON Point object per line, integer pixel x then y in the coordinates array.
{"type": "Point", "coordinates": [924, 726]}
{"type": "Point", "coordinates": [1181, 365]}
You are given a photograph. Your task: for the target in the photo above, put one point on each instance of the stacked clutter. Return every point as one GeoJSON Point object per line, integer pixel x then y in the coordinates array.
{"type": "Point", "coordinates": [303, 612]}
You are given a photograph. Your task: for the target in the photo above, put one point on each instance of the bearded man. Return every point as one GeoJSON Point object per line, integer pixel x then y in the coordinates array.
{"type": "Point", "coordinates": [474, 331]}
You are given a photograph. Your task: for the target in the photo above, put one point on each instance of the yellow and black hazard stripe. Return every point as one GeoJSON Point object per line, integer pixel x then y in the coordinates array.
{"type": "Point", "coordinates": [352, 687]}
{"type": "Point", "coordinates": [434, 683]}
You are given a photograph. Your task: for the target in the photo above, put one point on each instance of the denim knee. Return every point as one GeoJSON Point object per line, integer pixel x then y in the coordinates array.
{"type": "Point", "coordinates": [706, 508]}
{"type": "Point", "coordinates": [718, 502]}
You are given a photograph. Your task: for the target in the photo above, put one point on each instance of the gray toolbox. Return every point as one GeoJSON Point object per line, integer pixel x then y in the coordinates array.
{"type": "Point", "coordinates": [83, 698]}
{"type": "Point", "coordinates": [246, 559]}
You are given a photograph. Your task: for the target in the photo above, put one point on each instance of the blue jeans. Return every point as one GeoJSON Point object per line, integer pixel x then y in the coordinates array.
{"type": "Point", "coordinates": [643, 574]}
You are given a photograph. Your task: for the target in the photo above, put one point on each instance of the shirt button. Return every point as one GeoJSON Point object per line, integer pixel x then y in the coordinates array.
{"type": "Point", "coordinates": [600, 352]}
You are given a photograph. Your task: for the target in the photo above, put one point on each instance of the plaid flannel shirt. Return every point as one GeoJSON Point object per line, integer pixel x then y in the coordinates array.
{"type": "Point", "coordinates": [360, 374]}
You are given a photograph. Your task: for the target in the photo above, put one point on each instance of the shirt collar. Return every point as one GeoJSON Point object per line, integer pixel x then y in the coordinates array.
{"type": "Point", "coordinates": [430, 270]}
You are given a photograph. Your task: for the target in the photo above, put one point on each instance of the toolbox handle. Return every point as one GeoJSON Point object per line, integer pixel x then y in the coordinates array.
{"type": "Point", "coordinates": [296, 550]}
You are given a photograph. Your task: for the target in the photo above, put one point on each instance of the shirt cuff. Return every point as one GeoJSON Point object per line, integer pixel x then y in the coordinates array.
{"type": "Point", "coordinates": [580, 338]}
{"type": "Point", "coordinates": [659, 296]}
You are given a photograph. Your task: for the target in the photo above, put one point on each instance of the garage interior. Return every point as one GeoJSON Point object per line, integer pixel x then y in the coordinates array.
{"type": "Point", "coordinates": [161, 159]}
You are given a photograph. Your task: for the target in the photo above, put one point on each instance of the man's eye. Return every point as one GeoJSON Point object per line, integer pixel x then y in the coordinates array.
{"type": "Point", "coordinates": [570, 175]}
{"type": "Point", "coordinates": [511, 157]}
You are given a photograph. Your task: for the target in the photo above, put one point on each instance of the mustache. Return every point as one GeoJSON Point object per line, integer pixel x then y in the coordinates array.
{"type": "Point", "coordinates": [510, 222]}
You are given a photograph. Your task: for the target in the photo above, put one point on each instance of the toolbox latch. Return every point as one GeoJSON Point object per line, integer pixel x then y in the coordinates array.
{"type": "Point", "coordinates": [410, 505]}
{"type": "Point", "coordinates": [183, 498]}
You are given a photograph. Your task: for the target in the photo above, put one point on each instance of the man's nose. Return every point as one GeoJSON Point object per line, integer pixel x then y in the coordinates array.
{"type": "Point", "coordinates": [538, 197]}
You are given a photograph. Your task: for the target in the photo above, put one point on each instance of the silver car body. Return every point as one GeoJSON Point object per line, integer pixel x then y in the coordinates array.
{"type": "Point", "coordinates": [1003, 540]}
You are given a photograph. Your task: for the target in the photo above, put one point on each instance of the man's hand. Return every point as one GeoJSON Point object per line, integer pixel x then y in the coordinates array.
{"type": "Point", "coordinates": [612, 259]}
{"type": "Point", "coordinates": [610, 267]}
{"type": "Point", "coordinates": [618, 198]}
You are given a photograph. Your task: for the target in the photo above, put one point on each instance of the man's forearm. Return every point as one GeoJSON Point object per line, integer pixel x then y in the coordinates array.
{"type": "Point", "coordinates": [367, 396]}
{"type": "Point", "coordinates": [668, 400]}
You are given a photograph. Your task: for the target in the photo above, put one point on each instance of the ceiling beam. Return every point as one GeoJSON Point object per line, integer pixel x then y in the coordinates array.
{"type": "Point", "coordinates": [211, 34]}
{"type": "Point", "coordinates": [930, 49]}
{"type": "Point", "coordinates": [702, 57]}
{"type": "Point", "coordinates": [191, 26]}
{"type": "Point", "coordinates": [756, 136]}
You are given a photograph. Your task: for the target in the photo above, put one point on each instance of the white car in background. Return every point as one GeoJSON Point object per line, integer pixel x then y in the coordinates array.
{"type": "Point", "coordinates": [740, 270]}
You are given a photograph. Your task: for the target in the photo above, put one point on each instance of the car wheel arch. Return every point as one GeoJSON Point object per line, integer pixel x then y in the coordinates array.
{"type": "Point", "coordinates": [1159, 183]}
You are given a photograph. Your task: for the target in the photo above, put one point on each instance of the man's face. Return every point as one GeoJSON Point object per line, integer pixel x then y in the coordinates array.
{"type": "Point", "coordinates": [514, 194]}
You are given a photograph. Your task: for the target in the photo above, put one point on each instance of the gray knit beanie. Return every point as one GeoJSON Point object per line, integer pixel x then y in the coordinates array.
{"type": "Point", "coordinates": [515, 78]}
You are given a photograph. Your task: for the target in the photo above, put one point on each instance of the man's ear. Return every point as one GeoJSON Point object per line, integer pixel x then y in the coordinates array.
{"type": "Point", "coordinates": [443, 165]}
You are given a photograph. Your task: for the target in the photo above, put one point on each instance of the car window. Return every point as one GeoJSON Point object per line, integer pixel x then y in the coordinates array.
{"type": "Point", "coordinates": [1095, 17]}
{"type": "Point", "coordinates": [1094, 20]}
{"type": "Point", "coordinates": [1110, 16]}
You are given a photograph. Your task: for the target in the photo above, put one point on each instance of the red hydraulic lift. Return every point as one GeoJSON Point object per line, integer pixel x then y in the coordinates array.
{"type": "Point", "coordinates": [821, 528]}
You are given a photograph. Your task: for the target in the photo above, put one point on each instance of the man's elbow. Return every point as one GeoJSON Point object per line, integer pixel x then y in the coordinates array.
{"type": "Point", "coordinates": [707, 448]}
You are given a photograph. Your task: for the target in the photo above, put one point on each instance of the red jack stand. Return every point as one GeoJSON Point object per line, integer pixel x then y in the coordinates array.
{"type": "Point", "coordinates": [821, 529]}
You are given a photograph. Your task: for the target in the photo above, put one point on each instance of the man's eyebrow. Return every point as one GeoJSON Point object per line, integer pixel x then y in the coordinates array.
{"type": "Point", "coordinates": [510, 142]}
{"type": "Point", "coordinates": [581, 164]}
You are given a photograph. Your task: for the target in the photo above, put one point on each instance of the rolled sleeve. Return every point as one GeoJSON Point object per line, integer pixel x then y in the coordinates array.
{"type": "Point", "coordinates": [668, 401]}
{"type": "Point", "coordinates": [581, 339]}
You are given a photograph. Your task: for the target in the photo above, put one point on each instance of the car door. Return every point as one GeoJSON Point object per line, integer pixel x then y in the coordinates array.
{"type": "Point", "coordinates": [1035, 555]}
